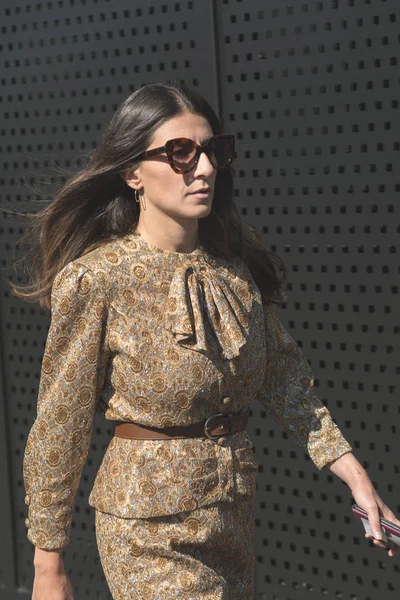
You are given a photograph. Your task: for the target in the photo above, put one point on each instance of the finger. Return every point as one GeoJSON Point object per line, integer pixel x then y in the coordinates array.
{"type": "Point", "coordinates": [395, 550]}
{"type": "Point", "coordinates": [380, 544]}
{"type": "Point", "coordinates": [376, 542]}
{"type": "Point", "coordinates": [373, 518]}
{"type": "Point", "coordinates": [389, 515]}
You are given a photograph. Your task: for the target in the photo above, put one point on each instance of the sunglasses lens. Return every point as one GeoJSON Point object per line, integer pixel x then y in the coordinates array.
{"type": "Point", "coordinates": [184, 154]}
{"type": "Point", "coordinates": [219, 151]}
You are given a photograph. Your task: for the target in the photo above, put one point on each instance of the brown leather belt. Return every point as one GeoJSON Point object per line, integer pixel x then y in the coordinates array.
{"type": "Point", "coordinates": [212, 427]}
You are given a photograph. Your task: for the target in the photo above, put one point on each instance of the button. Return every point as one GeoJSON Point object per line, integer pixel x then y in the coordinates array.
{"type": "Point", "coordinates": [226, 400]}
{"type": "Point", "coordinates": [27, 499]}
{"type": "Point", "coordinates": [27, 522]}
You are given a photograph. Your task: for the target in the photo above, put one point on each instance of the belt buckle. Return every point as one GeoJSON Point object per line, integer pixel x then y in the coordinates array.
{"type": "Point", "coordinates": [207, 427]}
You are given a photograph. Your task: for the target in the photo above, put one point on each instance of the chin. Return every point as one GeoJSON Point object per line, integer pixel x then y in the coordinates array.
{"type": "Point", "coordinates": [205, 209]}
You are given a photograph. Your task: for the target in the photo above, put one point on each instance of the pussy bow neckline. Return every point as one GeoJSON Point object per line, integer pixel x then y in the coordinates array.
{"type": "Point", "coordinates": [209, 301]}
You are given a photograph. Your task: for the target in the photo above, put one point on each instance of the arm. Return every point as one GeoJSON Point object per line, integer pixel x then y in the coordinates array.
{"type": "Point", "coordinates": [288, 395]}
{"type": "Point", "coordinates": [287, 391]}
{"type": "Point", "coordinates": [349, 470]}
{"type": "Point", "coordinates": [72, 376]}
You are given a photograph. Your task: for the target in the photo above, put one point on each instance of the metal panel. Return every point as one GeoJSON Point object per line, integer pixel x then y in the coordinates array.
{"type": "Point", "coordinates": [65, 68]}
{"type": "Point", "coordinates": [310, 89]}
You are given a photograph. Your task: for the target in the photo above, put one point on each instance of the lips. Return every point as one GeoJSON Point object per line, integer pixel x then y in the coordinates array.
{"type": "Point", "coordinates": [202, 191]}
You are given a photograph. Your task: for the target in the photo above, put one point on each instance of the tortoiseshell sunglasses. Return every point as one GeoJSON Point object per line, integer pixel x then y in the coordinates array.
{"type": "Point", "coordinates": [183, 153]}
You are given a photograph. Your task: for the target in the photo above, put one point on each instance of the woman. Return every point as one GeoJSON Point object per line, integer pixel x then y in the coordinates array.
{"type": "Point", "coordinates": [164, 316]}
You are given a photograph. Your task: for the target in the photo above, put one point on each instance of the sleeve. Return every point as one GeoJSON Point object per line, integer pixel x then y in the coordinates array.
{"type": "Point", "coordinates": [72, 376]}
{"type": "Point", "coordinates": [288, 395]}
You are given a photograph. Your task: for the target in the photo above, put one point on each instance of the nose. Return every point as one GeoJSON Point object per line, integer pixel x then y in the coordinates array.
{"type": "Point", "coordinates": [203, 164]}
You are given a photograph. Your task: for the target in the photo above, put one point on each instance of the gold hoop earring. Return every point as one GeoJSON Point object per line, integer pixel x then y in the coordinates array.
{"type": "Point", "coordinates": [137, 198]}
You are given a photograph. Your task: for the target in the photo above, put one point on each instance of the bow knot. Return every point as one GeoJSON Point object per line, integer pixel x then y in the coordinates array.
{"type": "Point", "coordinates": [208, 309]}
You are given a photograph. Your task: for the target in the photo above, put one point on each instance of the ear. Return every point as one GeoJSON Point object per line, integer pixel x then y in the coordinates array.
{"type": "Point", "coordinates": [131, 177]}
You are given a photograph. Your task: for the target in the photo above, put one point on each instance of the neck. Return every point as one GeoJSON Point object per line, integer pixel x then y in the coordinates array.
{"type": "Point", "coordinates": [174, 238]}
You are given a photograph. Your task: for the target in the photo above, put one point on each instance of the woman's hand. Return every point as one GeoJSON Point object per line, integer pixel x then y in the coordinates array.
{"type": "Point", "coordinates": [348, 468]}
{"type": "Point", "coordinates": [367, 498]}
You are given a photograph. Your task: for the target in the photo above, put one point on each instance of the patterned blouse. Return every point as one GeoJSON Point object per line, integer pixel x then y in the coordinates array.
{"type": "Point", "coordinates": [139, 333]}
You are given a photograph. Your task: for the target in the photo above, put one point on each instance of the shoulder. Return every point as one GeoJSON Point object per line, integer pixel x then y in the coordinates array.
{"type": "Point", "coordinates": [101, 260]}
{"type": "Point", "coordinates": [85, 274]}
{"type": "Point", "coordinates": [106, 257]}
{"type": "Point", "coordinates": [98, 270]}
{"type": "Point", "coordinates": [75, 288]}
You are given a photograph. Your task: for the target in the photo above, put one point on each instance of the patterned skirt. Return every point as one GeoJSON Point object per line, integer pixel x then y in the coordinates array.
{"type": "Point", "coordinates": [202, 554]}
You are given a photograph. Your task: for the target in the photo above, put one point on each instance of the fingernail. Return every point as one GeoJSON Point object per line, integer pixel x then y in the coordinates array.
{"type": "Point", "coordinates": [378, 535]}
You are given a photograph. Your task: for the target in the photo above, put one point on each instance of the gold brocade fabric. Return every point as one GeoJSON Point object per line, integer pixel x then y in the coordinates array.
{"type": "Point", "coordinates": [160, 338]}
{"type": "Point", "coordinates": [203, 554]}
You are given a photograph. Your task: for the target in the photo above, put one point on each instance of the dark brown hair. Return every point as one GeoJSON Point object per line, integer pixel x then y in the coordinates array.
{"type": "Point", "coordinates": [95, 206]}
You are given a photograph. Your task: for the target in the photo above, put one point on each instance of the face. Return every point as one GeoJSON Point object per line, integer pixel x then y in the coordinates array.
{"type": "Point", "coordinates": [171, 192]}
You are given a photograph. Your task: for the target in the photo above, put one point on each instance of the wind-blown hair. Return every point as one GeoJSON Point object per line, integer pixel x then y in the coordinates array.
{"type": "Point", "coordinates": [95, 206]}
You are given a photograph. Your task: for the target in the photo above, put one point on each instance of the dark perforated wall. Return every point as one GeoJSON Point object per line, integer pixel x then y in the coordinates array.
{"type": "Point", "coordinates": [310, 89]}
